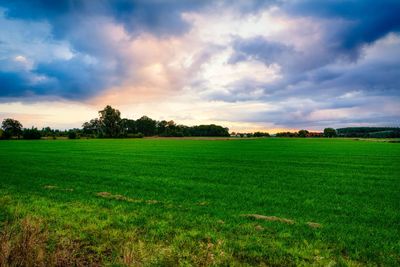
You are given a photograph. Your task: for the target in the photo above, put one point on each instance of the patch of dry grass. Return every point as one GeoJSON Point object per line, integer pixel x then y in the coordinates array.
{"type": "Point", "coordinates": [269, 218]}
{"type": "Point", "coordinates": [314, 225]}
{"type": "Point", "coordinates": [124, 198]}
{"type": "Point", "coordinates": [27, 243]}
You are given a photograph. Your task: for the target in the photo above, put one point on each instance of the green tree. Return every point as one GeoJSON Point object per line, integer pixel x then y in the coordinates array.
{"type": "Point", "coordinates": [209, 130]}
{"type": "Point", "coordinates": [303, 133]}
{"type": "Point", "coordinates": [128, 126]}
{"type": "Point", "coordinates": [72, 134]}
{"type": "Point", "coordinates": [146, 126]}
{"type": "Point", "coordinates": [110, 122]}
{"type": "Point", "coordinates": [161, 127]}
{"type": "Point", "coordinates": [11, 128]}
{"type": "Point", "coordinates": [92, 127]}
{"type": "Point", "coordinates": [31, 134]}
{"type": "Point", "coordinates": [260, 134]}
{"type": "Point", "coordinates": [330, 132]}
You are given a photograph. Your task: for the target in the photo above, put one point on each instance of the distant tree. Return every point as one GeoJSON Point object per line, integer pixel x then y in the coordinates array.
{"type": "Point", "coordinates": [261, 134]}
{"type": "Point", "coordinates": [11, 128]}
{"type": "Point", "coordinates": [161, 127]}
{"type": "Point", "coordinates": [209, 130]}
{"type": "Point", "coordinates": [171, 124]}
{"type": "Point", "coordinates": [128, 126]}
{"type": "Point", "coordinates": [92, 127]}
{"type": "Point", "coordinates": [369, 132]}
{"type": "Point", "coordinates": [32, 133]}
{"type": "Point", "coordinates": [110, 122]}
{"type": "Point", "coordinates": [385, 134]}
{"type": "Point", "coordinates": [47, 131]}
{"type": "Point", "coordinates": [146, 126]}
{"type": "Point", "coordinates": [303, 133]}
{"type": "Point", "coordinates": [286, 134]}
{"type": "Point", "coordinates": [330, 132]}
{"type": "Point", "coordinates": [72, 134]}
{"type": "Point", "coordinates": [171, 129]}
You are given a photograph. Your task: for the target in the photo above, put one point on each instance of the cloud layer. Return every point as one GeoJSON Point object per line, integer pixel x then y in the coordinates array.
{"type": "Point", "coordinates": [247, 64]}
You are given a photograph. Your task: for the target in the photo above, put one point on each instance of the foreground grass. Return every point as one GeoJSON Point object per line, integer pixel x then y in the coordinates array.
{"type": "Point", "coordinates": [164, 202]}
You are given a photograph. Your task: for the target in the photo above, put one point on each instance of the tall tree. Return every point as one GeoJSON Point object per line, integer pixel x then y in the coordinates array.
{"type": "Point", "coordinates": [146, 126]}
{"type": "Point", "coordinates": [110, 122]}
{"type": "Point", "coordinates": [161, 127]}
{"type": "Point", "coordinates": [11, 127]}
{"type": "Point", "coordinates": [303, 133]}
{"type": "Point", "coordinates": [92, 127]}
{"type": "Point", "coordinates": [330, 132]}
{"type": "Point", "coordinates": [128, 126]}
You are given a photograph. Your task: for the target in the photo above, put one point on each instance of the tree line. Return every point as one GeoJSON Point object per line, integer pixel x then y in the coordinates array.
{"type": "Point", "coordinates": [360, 132]}
{"type": "Point", "coordinates": [328, 132]}
{"type": "Point", "coordinates": [109, 124]}
{"type": "Point", "coordinates": [369, 132]}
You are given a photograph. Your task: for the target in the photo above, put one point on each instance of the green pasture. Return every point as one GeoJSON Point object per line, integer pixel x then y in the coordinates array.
{"type": "Point", "coordinates": [159, 202]}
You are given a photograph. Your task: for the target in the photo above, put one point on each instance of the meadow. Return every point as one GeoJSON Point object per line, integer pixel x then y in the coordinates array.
{"type": "Point", "coordinates": [169, 202]}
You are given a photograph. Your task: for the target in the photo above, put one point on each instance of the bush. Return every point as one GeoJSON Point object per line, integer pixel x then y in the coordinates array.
{"type": "Point", "coordinates": [138, 135]}
{"type": "Point", "coordinates": [376, 132]}
{"type": "Point", "coordinates": [261, 134]}
{"type": "Point", "coordinates": [209, 130]}
{"type": "Point", "coordinates": [31, 134]}
{"type": "Point", "coordinates": [385, 134]}
{"type": "Point", "coordinates": [303, 133]}
{"type": "Point", "coordinates": [286, 134]}
{"type": "Point", "coordinates": [4, 135]}
{"type": "Point", "coordinates": [72, 135]}
{"type": "Point", "coordinates": [330, 132]}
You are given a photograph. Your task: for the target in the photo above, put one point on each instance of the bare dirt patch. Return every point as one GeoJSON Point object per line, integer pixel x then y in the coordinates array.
{"type": "Point", "coordinates": [269, 218]}
{"type": "Point", "coordinates": [314, 225]}
{"type": "Point", "coordinates": [124, 198]}
{"type": "Point", "coordinates": [26, 243]}
{"type": "Point", "coordinates": [259, 228]}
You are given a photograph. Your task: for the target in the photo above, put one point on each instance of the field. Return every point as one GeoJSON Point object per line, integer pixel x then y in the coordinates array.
{"type": "Point", "coordinates": [274, 201]}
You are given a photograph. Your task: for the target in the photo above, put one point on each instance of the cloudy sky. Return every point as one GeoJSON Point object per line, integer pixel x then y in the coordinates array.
{"type": "Point", "coordinates": [248, 65]}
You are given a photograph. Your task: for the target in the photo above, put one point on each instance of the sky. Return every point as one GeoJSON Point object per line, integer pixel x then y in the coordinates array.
{"type": "Point", "coordinates": [247, 65]}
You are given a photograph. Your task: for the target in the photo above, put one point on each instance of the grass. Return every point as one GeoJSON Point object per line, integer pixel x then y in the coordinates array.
{"type": "Point", "coordinates": [279, 202]}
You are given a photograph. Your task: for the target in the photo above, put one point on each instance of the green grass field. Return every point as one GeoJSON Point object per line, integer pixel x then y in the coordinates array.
{"type": "Point", "coordinates": [183, 202]}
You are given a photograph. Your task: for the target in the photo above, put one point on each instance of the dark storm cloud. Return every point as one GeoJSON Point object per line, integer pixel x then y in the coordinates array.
{"type": "Point", "coordinates": [74, 79]}
{"type": "Point", "coordinates": [13, 84]}
{"type": "Point", "coordinates": [162, 17]}
{"type": "Point", "coordinates": [368, 20]}
{"type": "Point", "coordinates": [349, 25]}
{"type": "Point", "coordinates": [335, 64]}
{"type": "Point", "coordinates": [158, 16]}
{"type": "Point", "coordinates": [70, 79]}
